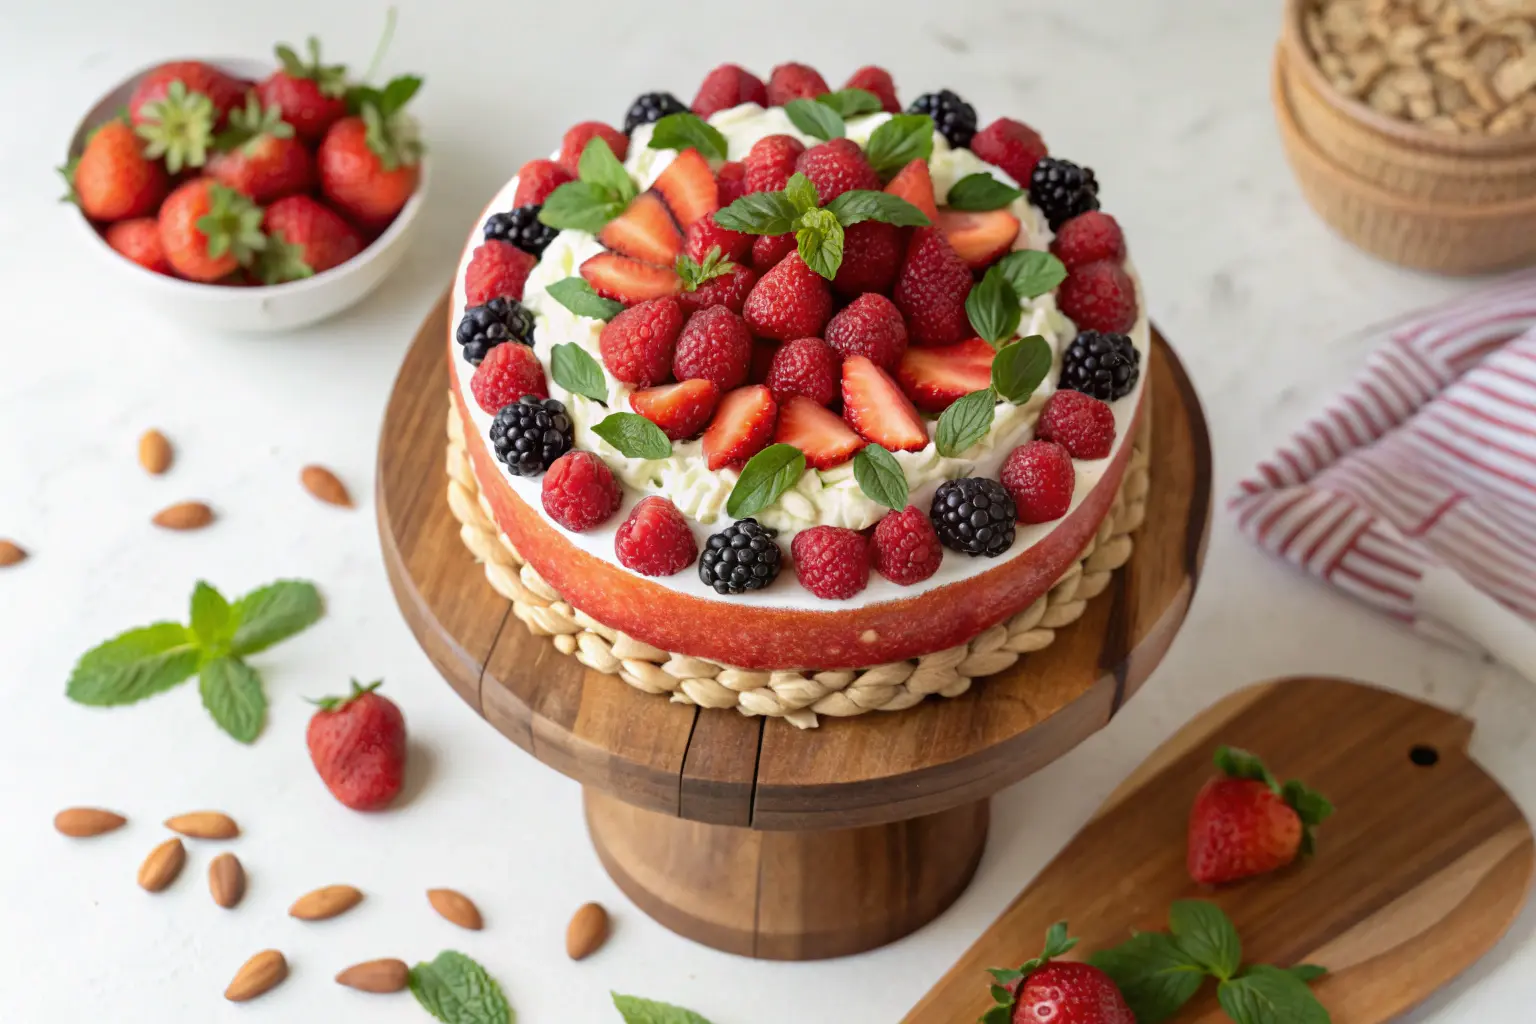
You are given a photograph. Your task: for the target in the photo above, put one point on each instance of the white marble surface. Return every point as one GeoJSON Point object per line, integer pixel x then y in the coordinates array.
{"type": "Point", "coordinates": [1167, 100]}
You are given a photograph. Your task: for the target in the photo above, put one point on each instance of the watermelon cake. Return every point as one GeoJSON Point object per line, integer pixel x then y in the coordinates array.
{"type": "Point", "coordinates": [795, 378]}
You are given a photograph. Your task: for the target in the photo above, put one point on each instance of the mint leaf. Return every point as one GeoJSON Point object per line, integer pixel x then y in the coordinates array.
{"type": "Point", "coordinates": [1269, 995]}
{"type": "Point", "coordinates": [1306, 972]}
{"type": "Point", "coordinates": [899, 141]}
{"type": "Point", "coordinates": [598, 166]}
{"type": "Point", "coordinates": [1031, 273]}
{"type": "Point", "coordinates": [801, 194]}
{"type": "Point", "coordinates": [635, 1010]}
{"type": "Point", "coordinates": [816, 119]}
{"type": "Point", "coordinates": [981, 191]}
{"type": "Point", "coordinates": [965, 422]}
{"type": "Point", "coordinates": [232, 694]}
{"type": "Point", "coordinates": [580, 206]}
{"type": "Point", "coordinates": [137, 664]}
{"type": "Point", "coordinates": [880, 477]}
{"type": "Point", "coordinates": [274, 613]}
{"type": "Point", "coordinates": [993, 308]}
{"type": "Point", "coordinates": [766, 475]}
{"type": "Point", "coordinates": [757, 213]}
{"type": "Point", "coordinates": [456, 990]}
{"type": "Point", "coordinates": [575, 370]}
{"type": "Point", "coordinates": [1154, 974]}
{"type": "Point", "coordinates": [1206, 933]}
{"type": "Point", "coordinates": [861, 204]}
{"type": "Point", "coordinates": [820, 241]}
{"type": "Point", "coordinates": [688, 131]}
{"type": "Point", "coordinates": [1020, 367]}
{"type": "Point", "coordinates": [1240, 764]}
{"type": "Point", "coordinates": [576, 295]}
{"type": "Point", "coordinates": [210, 617]}
{"type": "Point", "coordinates": [694, 273]}
{"type": "Point", "coordinates": [634, 436]}
{"type": "Point", "coordinates": [851, 102]}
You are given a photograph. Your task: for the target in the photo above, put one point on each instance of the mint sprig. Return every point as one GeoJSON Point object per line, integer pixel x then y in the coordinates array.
{"type": "Point", "coordinates": [576, 371]}
{"type": "Point", "coordinates": [635, 1010]}
{"type": "Point", "coordinates": [576, 295]}
{"type": "Point", "coordinates": [880, 477]}
{"type": "Point", "coordinates": [899, 141]}
{"type": "Point", "coordinates": [993, 308]}
{"type": "Point", "coordinates": [457, 990]}
{"type": "Point", "coordinates": [816, 119]}
{"type": "Point", "coordinates": [766, 476]}
{"type": "Point", "coordinates": [688, 131]}
{"type": "Point", "coordinates": [634, 436]}
{"type": "Point", "coordinates": [851, 102]}
{"type": "Point", "coordinates": [601, 192]}
{"type": "Point", "coordinates": [980, 191]}
{"type": "Point", "coordinates": [1030, 272]}
{"type": "Point", "coordinates": [1019, 368]}
{"type": "Point", "coordinates": [819, 238]}
{"type": "Point", "coordinates": [965, 422]}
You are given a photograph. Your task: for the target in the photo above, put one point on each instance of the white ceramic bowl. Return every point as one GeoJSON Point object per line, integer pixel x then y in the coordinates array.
{"type": "Point", "coordinates": [269, 308]}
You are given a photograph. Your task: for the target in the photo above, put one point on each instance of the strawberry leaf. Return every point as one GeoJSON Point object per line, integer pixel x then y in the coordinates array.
{"type": "Point", "coordinates": [1240, 764]}
{"type": "Point", "coordinates": [282, 261]}
{"type": "Point", "coordinates": [177, 128]}
{"type": "Point", "coordinates": [695, 274]}
{"type": "Point", "coordinates": [1311, 807]}
{"type": "Point", "coordinates": [336, 703]}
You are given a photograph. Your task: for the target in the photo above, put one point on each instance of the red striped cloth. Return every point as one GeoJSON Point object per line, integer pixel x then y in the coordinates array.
{"type": "Point", "coordinates": [1426, 461]}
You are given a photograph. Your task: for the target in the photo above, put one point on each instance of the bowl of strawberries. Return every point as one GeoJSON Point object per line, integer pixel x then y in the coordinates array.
{"type": "Point", "coordinates": [240, 196]}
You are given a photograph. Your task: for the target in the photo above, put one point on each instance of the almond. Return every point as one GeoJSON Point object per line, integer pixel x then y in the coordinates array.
{"type": "Point", "coordinates": [257, 976]}
{"type": "Point", "coordinates": [204, 825]}
{"type": "Point", "coordinates": [155, 452]}
{"type": "Point", "coordinates": [323, 484]}
{"type": "Point", "coordinates": [226, 880]}
{"type": "Point", "coordinates": [376, 976]}
{"type": "Point", "coordinates": [325, 903]}
{"type": "Point", "coordinates": [187, 515]}
{"type": "Point", "coordinates": [162, 865]}
{"type": "Point", "coordinates": [84, 822]}
{"type": "Point", "coordinates": [455, 907]}
{"type": "Point", "coordinates": [11, 553]}
{"type": "Point", "coordinates": [587, 931]}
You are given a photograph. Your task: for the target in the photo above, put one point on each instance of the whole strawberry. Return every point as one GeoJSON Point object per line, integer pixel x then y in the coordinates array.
{"type": "Point", "coordinates": [113, 179]}
{"type": "Point", "coordinates": [370, 163]}
{"type": "Point", "coordinates": [305, 237]}
{"type": "Point", "coordinates": [222, 89]}
{"type": "Point", "coordinates": [139, 240]}
{"type": "Point", "coordinates": [310, 95]}
{"type": "Point", "coordinates": [1061, 992]}
{"type": "Point", "coordinates": [357, 744]}
{"type": "Point", "coordinates": [259, 155]}
{"type": "Point", "coordinates": [1244, 823]}
{"type": "Point", "coordinates": [209, 231]}
{"type": "Point", "coordinates": [790, 301]}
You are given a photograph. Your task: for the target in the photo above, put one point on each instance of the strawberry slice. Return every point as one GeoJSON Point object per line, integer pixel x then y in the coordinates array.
{"type": "Point", "coordinates": [819, 433]}
{"type": "Point", "coordinates": [688, 186]}
{"type": "Point", "coordinates": [680, 410]}
{"type": "Point", "coordinates": [875, 407]}
{"type": "Point", "coordinates": [914, 184]}
{"type": "Point", "coordinates": [935, 377]}
{"type": "Point", "coordinates": [741, 428]}
{"type": "Point", "coordinates": [629, 281]}
{"type": "Point", "coordinates": [644, 231]}
{"type": "Point", "coordinates": [980, 238]}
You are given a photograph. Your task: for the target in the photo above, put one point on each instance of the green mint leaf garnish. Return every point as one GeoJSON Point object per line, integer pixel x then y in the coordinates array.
{"type": "Point", "coordinates": [1155, 975]}
{"type": "Point", "coordinates": [802, 195]}
{"type": "Point", "coordinates": [137, 664]}
{"type": "Point", "coordinates": [861, 204]}
{"type": "Point", "coordinates": [899, 141]}
{"type": "Point", "coordinates": [757, 213]}
{"type": "Point", "coordinates": [232, 693]}
{"type": "Point", "coordinates": [456, 990]}
{"type": "Point", "coordinates": [1206, 933]}
{"type": "Point", "coordinates": [820, 241]}
{"type": "Point", "coordinates": [816, 119]}
{"type": "Point", "coordinates": [212, 622]}
{"type": "Point", "coordinates": [851, 102]}
{"type": "Point", "coordinates": [1240, 764]}
{"type": "Point", "coordinates": [766, 475]}
{"type": "Point", "coordinates": [576, 295]}
{"type": "Point", "coordinates": [694, 273]}
{"type": "Point", "coordinates": [688, 131]}
{"type": "Point", "coordinates": [575, 370]}
{"type": "Point", "coordinates": [1269, 995]}
{"type": "Point", "coordinates": [1020, 367]}
{"type": "Point", "coordinates": [634, 436]}
{"type": "Point", "coordinates": [580, 206]}
{"type": "Point", "coordinates": [274, 613]}
{"type": "Point", "coordinates": [598, 166]}
{"type": "Point", "coordinates": [635, 1010]}
{"type": "Point", "coordinates": [965, 422]}
{"type": "Point", "coordinates": [1031, 273]}
{"type": "Point", "coordinates": [993, 308]}
{"type": "Point", "coordinates": [880, 477]}
{"type": "Point", "coordinates": [1306, 972]}
{"type": "Point", "coordinates": [981, 191]}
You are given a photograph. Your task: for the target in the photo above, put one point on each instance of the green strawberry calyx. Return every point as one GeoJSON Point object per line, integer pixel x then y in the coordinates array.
{"type": "Point", "coordinates": [232, 225]}
{"type": "Point", "coordinates": [337, 703]}
{"type": "Point", "coordinates": [390, 133]}
{"type": "Point", "coordinates": [249, 124]}
{"type": "Point", "coordinates": [1005, 986]}
{"type": "Point", "coordinates": [331, 78]}
{"type": "Point", "coordinates": [1310, 806]}
{"type": "Point", "coordinates": [282, 261]}
{"type": "Point", "coordinates": [695, 274]}
{"type": "Point", "coordinates": [178, 128]}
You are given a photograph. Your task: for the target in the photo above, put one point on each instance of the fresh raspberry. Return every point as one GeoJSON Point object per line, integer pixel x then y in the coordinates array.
{"type": "Point", "coordinates": [771, 161]}
{"type": "Point", "coordinates": [1099, 297]}
{"type": "Point", "coordinates": [831, 562]}
{"type": "Point", "coordinates": [871, 326]}
{"type": "Point", "coordinates": [705, 235]}
{"type": "Point", "coordinates": [931, 291]}
{"type": "Point", "coordinates": [507, 373]}
{"type": "Point", "coordinates": [727, 86]}
{"type": "Point", "coordinates": [1011, 145]}
{"type": "Point", "coordinates": [139, 240]}
{"type": "Point", "coordinates": [790, 301]}
{"type": "Point", "coordinates": [805, 366]}
{"type": "Point", "coordinates": [715, 346]}
{"type": "Point", "coordinates": [906, 547]}
{"type": "Point", "coordinates": [1088, 238]}
{"type": "Point", "coordinates": [578, 136]}
{"type": "Point", "coordinates": [497, 270]}
{"type": "Point", "coordinates": [537, 179]}
{"type": "Point", "coordinates": [836, 167]}
{"type": "Point", "coordinates": [768, 250]}
{"type": "Point", "coordinates": [878, 81]}
{"type": "Point", "coordinates": [579, 489]}
{"type": "Point", "coordinates": [637, 344]}
{"type": "Point", "coordinates": [728, 290]}
{"type": "Point", "coordinates": [655, 540]}
{"type": "Point", "coordinates": [1080, 423]}
{"type": "Point", "coordinates": [731, 180]}
{"type": "Point", "coordinates": [1040, 477]}
{"type": "Point", "coordinates": [794, 82]}
{"type": "Point", "coordinates": [763, 352]}
{"type": "Point", "coordinates": [872, 253]}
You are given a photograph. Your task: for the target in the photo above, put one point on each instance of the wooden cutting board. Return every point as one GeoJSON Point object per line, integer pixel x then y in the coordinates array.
{"type": "Point", "coordinates": [1422, 868]}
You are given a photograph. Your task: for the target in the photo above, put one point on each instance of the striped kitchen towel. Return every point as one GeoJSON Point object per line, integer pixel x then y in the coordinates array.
{"type": "Point", "coordinates": [1415, 491]}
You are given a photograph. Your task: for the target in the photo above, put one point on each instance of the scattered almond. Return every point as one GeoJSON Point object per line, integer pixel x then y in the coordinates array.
{"type": "Point", "coordinates": [162, 865]}
{"type": "Point", "coordinates": [204, 825]}
{"type": "Point", "coordinates": [325, 903]}
{"type": "Point", "coordinates": [376, 976]}
{"type": "Point", "coordinates": [587, 931]}
{"type": "Point", "coordinates": [84, 822]}
{"type": "Point", "coordinates": [226, 880]}
{"type": "Point", "coordinates": [323, 484]}
{"type": "Point", "coordinates": [257, 976]}
{"type": "Point", "coordinates": [155, 452]}
{"type": "Point", "coordinates": [187, 515]}
{"type": "Point", "coordinates": [11, 553]}
{"type": "Point", "coordinates": [454, 906]}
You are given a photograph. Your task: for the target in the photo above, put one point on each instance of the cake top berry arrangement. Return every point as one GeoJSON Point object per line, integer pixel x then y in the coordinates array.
{"type": "Point", "coordinates": [791, 326]}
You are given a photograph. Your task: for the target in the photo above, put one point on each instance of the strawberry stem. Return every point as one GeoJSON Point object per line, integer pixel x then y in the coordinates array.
{"type": "Point", "coordinates": [384, 41]}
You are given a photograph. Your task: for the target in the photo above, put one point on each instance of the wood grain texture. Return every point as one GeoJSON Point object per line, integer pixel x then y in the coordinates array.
{"type": "Point", "coordinates": [1419, 872]}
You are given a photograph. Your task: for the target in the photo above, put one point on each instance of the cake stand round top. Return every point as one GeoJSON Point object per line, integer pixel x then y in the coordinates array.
{"type": "Point", "coordinates": [722, 767]}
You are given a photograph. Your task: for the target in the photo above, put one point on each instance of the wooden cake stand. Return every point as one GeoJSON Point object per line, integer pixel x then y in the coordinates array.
{"type": "Point", "coordinates": [750, 835]}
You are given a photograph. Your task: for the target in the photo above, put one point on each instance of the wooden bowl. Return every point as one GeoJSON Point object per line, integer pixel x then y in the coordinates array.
{"type": "Point", "coordinates": [1401, 157]}
{"type": "Point", "coordinates": [1442, 236]}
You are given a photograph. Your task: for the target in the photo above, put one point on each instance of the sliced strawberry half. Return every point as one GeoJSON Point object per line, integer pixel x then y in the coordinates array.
{"type": "Point", "coordinates": [742, 426]}
{"type": "Point", "coordinates": [914, 184]}
{"type": "Point", "coordinates": [819, 433]}
{"type": "Point", "coordinates": [935, 377]}
{"type": "Point", "coordinates": [629, 281]}
{"type": "Point", "coordinates": [688, 186]}
{"type": "Point", "coordinates": [980, 238]}
{"type": "Point", "coordinates": [680, 410]}
{"type": "Point", "coordinates": [875, 407]}
{"type": "Point", "coordinates": [644, 231]}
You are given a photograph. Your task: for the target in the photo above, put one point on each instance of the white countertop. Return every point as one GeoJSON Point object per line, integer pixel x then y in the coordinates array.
{"type": "Point", "coordinates": [1167, 101]}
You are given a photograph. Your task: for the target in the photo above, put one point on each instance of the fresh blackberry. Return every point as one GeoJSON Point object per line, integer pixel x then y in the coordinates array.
{"type": "Point", "coordinates": [741, 557]}
{"type": "Point", "coordinates": [651, 106]}
{"type": "Point", "coordinates": [952, 116]}
{"type": "Point", "coordinates": [485, 327]}
{"type": "Point", "coordinates": [1063, 190]}
{"type": "Point", "coordinates": [522, 228]}
{"type": "Point", "coordinates": [530, 434]}
{"type": "Point", "coordinates": [974, 516]}
{"type": "Point", "coordinates": [1100, 364]}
